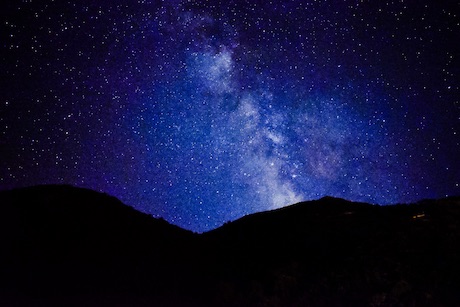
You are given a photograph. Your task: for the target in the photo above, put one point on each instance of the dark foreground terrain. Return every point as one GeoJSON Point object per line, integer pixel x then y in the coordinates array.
{"type": "Point", "coordinates": [63, 246]}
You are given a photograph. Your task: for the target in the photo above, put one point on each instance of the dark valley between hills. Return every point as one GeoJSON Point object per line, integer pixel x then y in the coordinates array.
{"type": "Point", "coordinates": [66, 246]}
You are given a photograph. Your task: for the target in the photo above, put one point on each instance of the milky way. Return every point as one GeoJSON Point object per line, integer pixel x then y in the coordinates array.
{"type": "Point", "coordinates": [202, 112]}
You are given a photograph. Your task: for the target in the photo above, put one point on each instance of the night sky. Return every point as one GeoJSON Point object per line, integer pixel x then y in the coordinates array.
{"type": "Point", "coordinates": [204, 111]}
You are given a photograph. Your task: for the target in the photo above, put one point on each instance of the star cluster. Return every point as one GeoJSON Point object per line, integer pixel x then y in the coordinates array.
{"type": "Point", "coordinates": [204, 111]}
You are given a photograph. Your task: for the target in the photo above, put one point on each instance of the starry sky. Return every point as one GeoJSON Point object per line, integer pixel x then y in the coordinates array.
{"type": "Point", "coordinates": [201, 112]}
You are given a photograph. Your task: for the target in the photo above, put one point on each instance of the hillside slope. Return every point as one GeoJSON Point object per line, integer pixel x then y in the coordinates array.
{"type": "Point", "coordinates": [332, 252]}
{"type": "Point", "coordinates": [75, 247]}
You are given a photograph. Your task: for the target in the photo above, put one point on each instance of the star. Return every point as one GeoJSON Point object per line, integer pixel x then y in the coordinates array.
{"type": "Point", "coordinates": [203, 113]}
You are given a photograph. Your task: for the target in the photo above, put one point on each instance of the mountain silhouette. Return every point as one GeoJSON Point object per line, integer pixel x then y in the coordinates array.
{"type": "Point", "coordinates": [66, 246]}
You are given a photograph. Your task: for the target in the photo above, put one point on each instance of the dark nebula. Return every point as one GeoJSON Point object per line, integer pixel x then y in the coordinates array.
{"type": "Point", "coordinates": [204, 111]}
